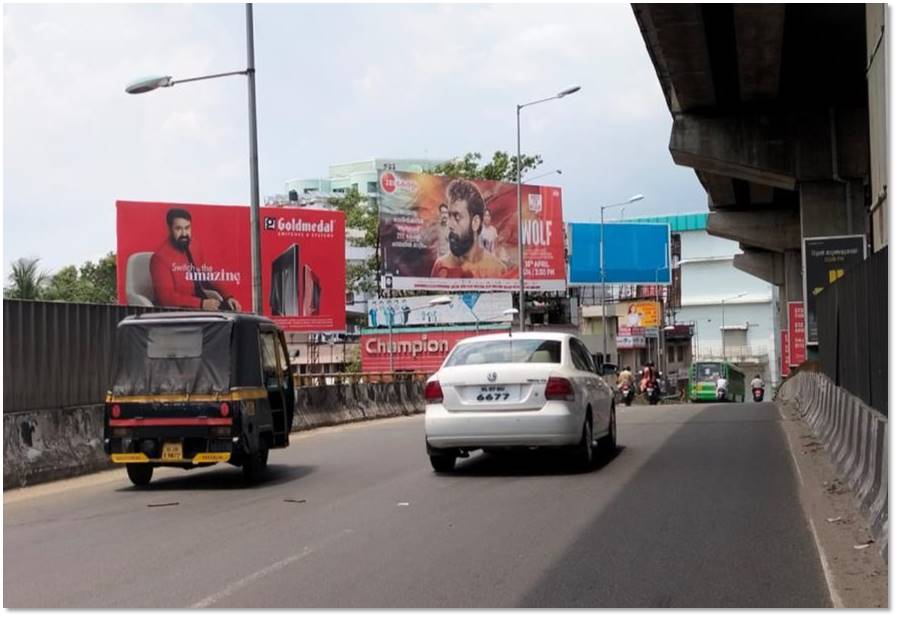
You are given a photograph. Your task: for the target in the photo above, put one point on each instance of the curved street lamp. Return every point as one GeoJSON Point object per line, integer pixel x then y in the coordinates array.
{"type": "Point", "coordinates": [559, 95]}
{"type": "Point", "coordinates": [148, 84]}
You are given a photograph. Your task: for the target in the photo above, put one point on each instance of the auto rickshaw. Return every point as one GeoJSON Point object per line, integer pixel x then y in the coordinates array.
{"type": "Point", "coordinates": [193, 389]}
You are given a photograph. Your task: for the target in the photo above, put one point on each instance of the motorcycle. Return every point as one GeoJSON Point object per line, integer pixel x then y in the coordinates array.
{"type": "Point", "coordinates": [721, 395]}
{"type": "Point", "coordinates": [758, 395]}
{"type": "Point", "coordinates": [652, 392]}
{"type": "Point", "coordinates": [627, 393]}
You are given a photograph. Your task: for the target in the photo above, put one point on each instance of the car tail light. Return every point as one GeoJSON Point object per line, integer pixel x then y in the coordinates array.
{"type": "Point", "coordinates": [116, 411]}
{"type": "Point", "coordinates": [224, 410]}
{"type": "Point", "coordinates": [559, 389]}
{"type": "Point", "coordinates": [433, 392]}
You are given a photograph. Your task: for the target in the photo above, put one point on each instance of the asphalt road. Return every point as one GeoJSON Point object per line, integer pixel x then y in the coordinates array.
{"type": "Point", "coordinates": [699, 508]}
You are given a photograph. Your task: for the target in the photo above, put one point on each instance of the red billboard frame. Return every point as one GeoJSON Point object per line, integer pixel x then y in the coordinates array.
{"type": "Point", "coordinates": [304, 248]}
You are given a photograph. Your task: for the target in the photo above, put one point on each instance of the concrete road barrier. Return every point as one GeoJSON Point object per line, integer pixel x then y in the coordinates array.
{"type": "Point", "coordinates": [40, 446]}
{"type": "Point", "coordinates": [856, 439]}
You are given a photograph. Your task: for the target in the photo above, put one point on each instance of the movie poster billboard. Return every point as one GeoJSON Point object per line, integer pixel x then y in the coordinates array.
{"type": "Point", "coordinates": [825, 261]}
{"type": "Point", "coordinates": [469, 307]}
{"type": "Point", "coordinates": [449, 234]}
{"type": "Point", "coordinates": [197, 257]}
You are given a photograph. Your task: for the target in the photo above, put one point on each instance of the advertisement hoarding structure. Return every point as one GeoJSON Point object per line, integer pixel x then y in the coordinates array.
{"type": "Point", "coordinates": [430, 310]}
{"type": "Point", "coordinates": [413, 349]}
{"type": "Point", "coordinates": [826, 259]}
{"type": "Point", "coordinates": [303, 261]}
{"type": "Point", "coordinates": [439, 233]}
{"type": "Point", "coordinates": [635, 254]}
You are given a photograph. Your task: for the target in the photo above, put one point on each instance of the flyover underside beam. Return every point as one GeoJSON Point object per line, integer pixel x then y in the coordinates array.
{"type": "Point", "coordinates": [674, 35]}
{"type": "Point", "coordinates": [754, 148]}
{"type": "Point", "coordinates": [759, 33]}
{"type": "Point", "coordinates": [766, 265]}
{"type": "Point", "coordinates": [772, 230]}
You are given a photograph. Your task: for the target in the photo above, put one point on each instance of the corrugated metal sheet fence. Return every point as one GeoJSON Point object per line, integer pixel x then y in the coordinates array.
{"type": "Point", "coordinates": [58, 354]}
{"type": "Point", "coordinates": [853, 331]}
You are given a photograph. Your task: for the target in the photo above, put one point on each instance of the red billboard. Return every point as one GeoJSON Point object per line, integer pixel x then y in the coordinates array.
{"type": "Point", "coordinates": [797, 341]}
{"type": "Point", "coordinates": [422, 349]}
{"type": "Point", "coordinates": [197, 256]}
{"type": "Point", "coordinates": [450, 234]}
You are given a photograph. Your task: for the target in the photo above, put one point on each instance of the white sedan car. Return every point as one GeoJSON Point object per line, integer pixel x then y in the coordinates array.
{"type": "Point", "coordinates": [532, 389]}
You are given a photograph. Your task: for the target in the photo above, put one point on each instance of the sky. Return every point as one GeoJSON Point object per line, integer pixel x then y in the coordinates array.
{"type": "Point", "coordinates": [335, 83]}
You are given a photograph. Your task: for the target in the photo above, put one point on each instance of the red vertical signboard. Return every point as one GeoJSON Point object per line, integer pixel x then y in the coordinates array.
{"type": "Point", "coordinates": [786, 370]}
{"type": "Point", "coordinates": [797, 334]}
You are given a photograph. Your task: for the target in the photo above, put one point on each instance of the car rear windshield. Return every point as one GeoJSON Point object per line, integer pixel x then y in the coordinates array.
{"type": "Point", "coordinates": [506, 351]}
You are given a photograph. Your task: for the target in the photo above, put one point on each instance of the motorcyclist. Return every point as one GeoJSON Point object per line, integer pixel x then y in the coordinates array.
{"type": "Point", "coordinates": [625, 378]}
{"type": "Point", "coordinates": [756, 382]}
{"type": "Point", "coordinates": [722, 384]}
{"type": "Point", "coordinates": [648, 376]}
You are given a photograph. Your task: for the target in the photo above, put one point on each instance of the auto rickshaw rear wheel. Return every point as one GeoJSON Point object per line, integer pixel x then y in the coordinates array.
{"type": "Point", "coordinates": [140, 474]}
{"type": "Point", "coordinates": [256, 462]}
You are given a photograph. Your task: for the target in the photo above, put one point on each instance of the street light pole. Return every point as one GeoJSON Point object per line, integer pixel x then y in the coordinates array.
{"type": "Point", "coordinates": [631, 200]}
{"type": "Point", "coordinates": [522, 296]}
{"type": "Point", "coordinates": [256, 238]}
{"type": "Point", "coordinates": [151, 83]}
{"type": "Point", "coordinates": [522, 300]}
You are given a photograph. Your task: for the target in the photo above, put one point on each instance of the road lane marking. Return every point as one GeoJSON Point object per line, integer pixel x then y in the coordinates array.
{"type": "Point", "coordinates": [260, 574]}
{"type": "Point", "coordinates": [836, 599]}
{"type": "Point", "coordinates": [791, 446]}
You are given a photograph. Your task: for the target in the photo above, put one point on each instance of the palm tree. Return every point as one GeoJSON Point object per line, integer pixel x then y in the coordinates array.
{"type": "Point", "coordinates": [27, 281]}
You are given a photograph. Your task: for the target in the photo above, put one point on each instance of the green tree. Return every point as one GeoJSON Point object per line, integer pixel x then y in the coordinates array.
{"type": "Point", "coordinates": [63, 286]}
{"type": "Point", "coordinates": [93, 282]}
{"type": "Point", "coordinates": [98, 280]}
{"type": "Point", "coordinates": [502, 167]}
{"type": "Point", "coordinates": [363, 229]}
{"type": "Point", "coordinates": [27, 281]}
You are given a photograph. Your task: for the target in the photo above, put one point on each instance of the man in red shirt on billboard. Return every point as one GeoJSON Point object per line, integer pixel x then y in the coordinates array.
{"type": "Point", "coordinates": [179, 278]}
{"type": "Point", "coordinates": [467, 258]}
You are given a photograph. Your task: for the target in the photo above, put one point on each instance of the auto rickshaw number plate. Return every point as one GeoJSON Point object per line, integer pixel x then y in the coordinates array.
{"type": "Point", "coordinates": [172, 451]}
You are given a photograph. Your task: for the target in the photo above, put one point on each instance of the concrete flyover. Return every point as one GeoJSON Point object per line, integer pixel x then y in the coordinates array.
{"type": "Point", "coordinates": [773, 106]}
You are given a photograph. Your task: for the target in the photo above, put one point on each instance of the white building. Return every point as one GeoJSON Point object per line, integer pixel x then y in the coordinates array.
{"type": "Point", "coordinates": [361, 175]}
{"type": "Point", "coordinates": [734, 314]}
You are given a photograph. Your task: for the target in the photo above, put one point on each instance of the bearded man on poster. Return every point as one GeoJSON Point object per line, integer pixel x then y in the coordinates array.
{"type": "Point", "coordinates": [467, 258]}
{"type": "Point", "coordinates": [176, 269]}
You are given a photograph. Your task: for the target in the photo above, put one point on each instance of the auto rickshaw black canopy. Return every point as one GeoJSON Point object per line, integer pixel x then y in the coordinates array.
{"type": "Point", "coordinates": [188, 353]}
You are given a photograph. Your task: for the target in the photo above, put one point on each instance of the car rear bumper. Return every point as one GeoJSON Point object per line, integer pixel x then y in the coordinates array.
{"type": "Point", "coordinates": [556, 424]}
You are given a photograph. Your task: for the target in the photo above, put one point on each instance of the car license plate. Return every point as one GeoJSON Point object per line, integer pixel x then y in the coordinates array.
{"type": "Point", "coordinates": [172, 451]}
{"type": "Point", "coordinates": [493, 394]}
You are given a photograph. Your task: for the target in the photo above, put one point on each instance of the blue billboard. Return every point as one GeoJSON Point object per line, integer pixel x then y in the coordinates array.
{"type": "Point", "coordinates": [635, 253]}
